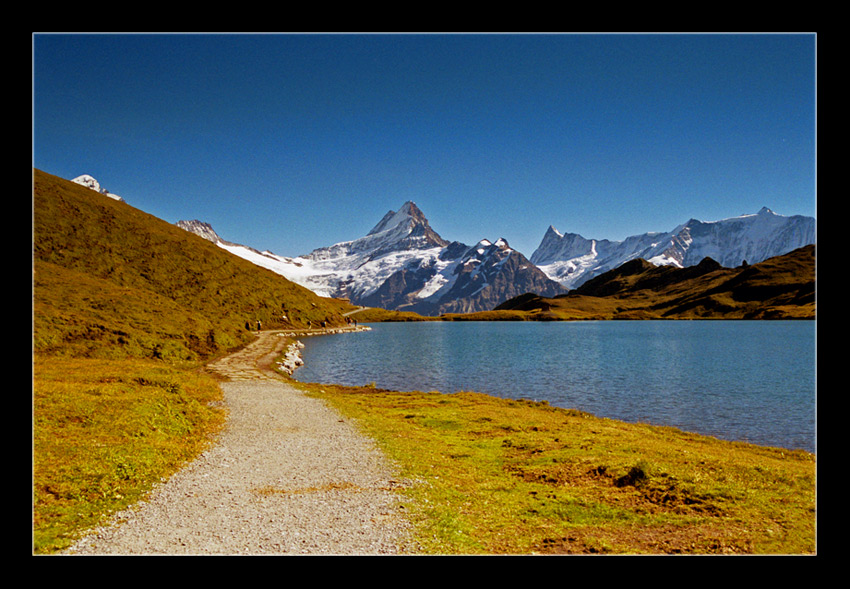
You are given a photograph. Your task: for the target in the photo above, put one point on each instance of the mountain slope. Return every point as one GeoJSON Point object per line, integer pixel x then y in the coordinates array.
{"type": "Point", "coordinates": [110, 280]}
{"type": "Point", "coordinates": [403, 264]}
{"type": "Point", "coordinates": [781, 287]}
{"type": "Point", "coordinates": [572, 260]}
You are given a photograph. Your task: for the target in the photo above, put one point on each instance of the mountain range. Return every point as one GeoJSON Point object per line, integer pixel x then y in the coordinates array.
{"type": "Point", "coordinates": [572, 260]}
{"type": "Point", "coordinates": [403, 264]}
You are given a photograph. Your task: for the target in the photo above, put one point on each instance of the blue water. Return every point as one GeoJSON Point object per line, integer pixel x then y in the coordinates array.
{"type": "Point", "coordinates": [736, 380]}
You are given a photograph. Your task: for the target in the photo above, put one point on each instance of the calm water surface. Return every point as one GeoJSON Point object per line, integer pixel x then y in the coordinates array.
{"type": "Point", "coordinates": [736, 380]}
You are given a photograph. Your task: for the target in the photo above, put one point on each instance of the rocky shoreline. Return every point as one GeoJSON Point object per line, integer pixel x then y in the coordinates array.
{"type": "Point", "coordinates": [292, 359]}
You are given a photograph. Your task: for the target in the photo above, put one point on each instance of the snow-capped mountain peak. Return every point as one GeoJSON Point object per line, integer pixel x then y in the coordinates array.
{"type": "Point", "coordinates": [89, 182]}
{"type": "Point", "coordinates": [402, 263]}
{"type": "Point", "coordinates": [406, 217]}
{"type": "Point", "coordinates": [352, 269]}
{"type": "Point", "coordinates": [405, 230]}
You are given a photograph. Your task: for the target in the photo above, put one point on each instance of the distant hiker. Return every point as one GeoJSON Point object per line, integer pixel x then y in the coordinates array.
{"type": "Point", "coordinates": [259, 325]}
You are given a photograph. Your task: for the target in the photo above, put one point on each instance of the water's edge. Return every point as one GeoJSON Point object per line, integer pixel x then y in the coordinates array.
{"type": "Point", "coordinates": [742, 381]}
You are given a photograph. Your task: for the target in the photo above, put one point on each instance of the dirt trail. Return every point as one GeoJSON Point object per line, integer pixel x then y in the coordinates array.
{"type": "Point", "coordinates": [254, 361]}
{"type": "Point", "coordinates": [288, 476]}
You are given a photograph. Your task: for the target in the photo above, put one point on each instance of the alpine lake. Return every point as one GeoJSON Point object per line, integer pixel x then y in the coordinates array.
{"type": "Point", "coordinates": [752, 381]}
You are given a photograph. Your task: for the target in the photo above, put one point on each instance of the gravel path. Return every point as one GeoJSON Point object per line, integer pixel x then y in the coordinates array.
{"type": "Point", "coordinates": [288, 476]}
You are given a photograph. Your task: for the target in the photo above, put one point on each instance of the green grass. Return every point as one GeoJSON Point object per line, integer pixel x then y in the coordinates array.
{"type": "Point", "coordinates": [105, 431]}
{"type": "Point", "coordinates": [496, 476]}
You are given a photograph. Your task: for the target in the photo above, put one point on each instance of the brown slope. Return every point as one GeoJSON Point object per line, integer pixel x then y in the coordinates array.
{"type": "Point", "coordinates": [112, 280]}
{"type": "Point", "coordinates": [778, 288]}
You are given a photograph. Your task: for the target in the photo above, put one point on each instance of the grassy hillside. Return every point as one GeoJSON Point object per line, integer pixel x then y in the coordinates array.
{"type": "Point", "coordinates": [112, 281]}
{"type": "Point", "coordinates": [778, 288]}
{"type": "Point", "coordinates": [105, 431]}
{"type": "Point", "coordinates": [126, 310]}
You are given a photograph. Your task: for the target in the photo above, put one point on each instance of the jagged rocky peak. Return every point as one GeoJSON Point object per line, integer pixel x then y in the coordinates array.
{"type": "Point", "coordinates": [558, 246]}
{"type": "Point", "coordinates": [200, 228]}
{"type": "Point", "coordinates": [409, 215]}
{"type": "Point", "coordinates": [404, 264]}
{"type": "Point", "coordinates": [552, 233]}
{"type": "Point", "coordinates": [407, 227]}
{"type": "Point", "coordinates": [485, 247]}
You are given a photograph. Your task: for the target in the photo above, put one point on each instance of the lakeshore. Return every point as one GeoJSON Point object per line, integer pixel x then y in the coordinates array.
{"type": "Point", "coordinates": [738, 380]}
{"type": "Point", "coordinates": [575, 483]}
{"type": "Point", "coordinates": [121, 403]}
{"type": "Point", "coordinates": [477, 474]}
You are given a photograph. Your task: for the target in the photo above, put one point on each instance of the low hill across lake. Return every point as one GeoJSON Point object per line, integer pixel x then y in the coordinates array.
{"type": "Point", "coordinates": [112, 281]}
{"type": "Point", "coordinates": [782, 287]}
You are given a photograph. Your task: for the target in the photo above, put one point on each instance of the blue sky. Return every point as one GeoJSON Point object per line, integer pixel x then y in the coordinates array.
{"type": "Point", "coordinates": [293, 142]}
